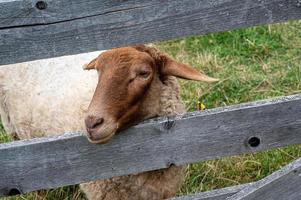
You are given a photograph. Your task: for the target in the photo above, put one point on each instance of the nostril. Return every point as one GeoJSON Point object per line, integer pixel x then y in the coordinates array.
{"type": "Point", "coordinates": [93, 122]}
{"type": "Point", "coordinates": [98, 122]}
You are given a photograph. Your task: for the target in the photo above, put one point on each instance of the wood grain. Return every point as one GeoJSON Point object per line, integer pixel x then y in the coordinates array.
{"type": "Point", "coordinates": [71, 159]}
{"type": "Point", "coordinates": [77, 26]}
{"type": "Point", "coordinates": [219, 194]}
{"type": "Point", "coordinates": [282, 184]}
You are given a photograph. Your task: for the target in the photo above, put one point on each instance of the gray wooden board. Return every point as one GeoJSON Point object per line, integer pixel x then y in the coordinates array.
{"type": "Point", "coordinates": [71, 159]}
{"type": "Point", "coordinates": [219, 194]}
{"type": "Point", "coordinates": [16, 13]}
{"type": "Point", "coordinates": [282, 184]}
{"type": "Point", "coordinates": [78, 26]}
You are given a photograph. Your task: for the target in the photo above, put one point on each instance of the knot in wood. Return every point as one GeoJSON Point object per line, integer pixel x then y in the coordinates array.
{"type": "Point", "coordinates": [170, 164]}
{"type": "Point", "coordinates": [254, 141]}
{"type": "Point", "coordinates": [168, 124]}
{"type": "Point", "coordinates": [14, 191]}
{"type": "Point", "coordinates": [298, 3]}
{"type": "Point", "coordinates": [41, 5]}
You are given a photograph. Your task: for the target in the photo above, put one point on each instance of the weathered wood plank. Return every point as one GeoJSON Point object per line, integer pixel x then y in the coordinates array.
{"type": "Point", "coordinates": [16, 13]}
{"type": "Point", "coordinates": [75, 26]}
{"type": "Point", "coordinates": [219, 194]}
{"type": "Point", "coordinates": [282, 184]}
{"type": "Point", "coordinates": [71, 159]}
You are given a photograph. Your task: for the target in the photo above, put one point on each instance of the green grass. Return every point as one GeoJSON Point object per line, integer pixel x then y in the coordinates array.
{"type": "Point", "coordinates": [3, 136]}
{"type": "Point", "coordinates": [254, 63]}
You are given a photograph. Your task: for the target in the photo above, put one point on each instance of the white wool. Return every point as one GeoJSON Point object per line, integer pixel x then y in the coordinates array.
{"type": "Point", "coordinates": [46, 97]}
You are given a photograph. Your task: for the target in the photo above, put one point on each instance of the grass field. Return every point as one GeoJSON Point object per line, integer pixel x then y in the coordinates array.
{"type": "Point", "coordinates": [254, 63]}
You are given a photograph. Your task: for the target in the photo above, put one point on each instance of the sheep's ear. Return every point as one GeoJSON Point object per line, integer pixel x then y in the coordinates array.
{"type": "Point", "coordinates": [174, 68]}
{"type": "Point", "coordinates": [91, 65]}
{"type": "Point", "coordinates": [170, 67]}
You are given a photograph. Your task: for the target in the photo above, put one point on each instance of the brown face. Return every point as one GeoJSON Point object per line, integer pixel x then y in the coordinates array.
{"type": "Point", "coordinates": [125, 76]}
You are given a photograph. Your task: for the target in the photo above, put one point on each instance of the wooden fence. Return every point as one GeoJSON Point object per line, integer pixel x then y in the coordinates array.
{"type": "Point", "coordinates": [41, 29]}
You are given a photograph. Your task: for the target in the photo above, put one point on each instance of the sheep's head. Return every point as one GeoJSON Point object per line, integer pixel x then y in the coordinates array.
{"type": "Point", "coordinates": [127, 76]}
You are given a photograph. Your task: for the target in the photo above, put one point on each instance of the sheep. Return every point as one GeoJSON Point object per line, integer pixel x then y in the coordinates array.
{"type": "Point", "coordinates": [134, 84]}
{"type": "Point", "coordinates": [37, 97]}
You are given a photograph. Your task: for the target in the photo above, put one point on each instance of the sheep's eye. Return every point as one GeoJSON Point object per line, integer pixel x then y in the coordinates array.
{"type": "Point", "coordinates": [144, 74]}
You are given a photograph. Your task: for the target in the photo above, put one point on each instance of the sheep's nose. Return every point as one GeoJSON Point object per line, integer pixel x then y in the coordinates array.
{"type": "Point", "coordinates": [93, 122]}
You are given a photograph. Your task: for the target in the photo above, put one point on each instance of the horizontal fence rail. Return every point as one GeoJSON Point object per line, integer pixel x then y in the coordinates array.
{"type": "Point", "coordinates": [44, 163]}
{"type": "Point", "coordinates": [31, 29]}
{"type": "Point", "coordinates": [282, 184]}
{"type": "Point", "coordinates": [218, 194]}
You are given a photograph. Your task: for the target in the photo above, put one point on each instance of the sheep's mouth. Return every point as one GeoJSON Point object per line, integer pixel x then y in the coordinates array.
{"type": "Point", "coordinates": [101, 140]}
{"type": "Point", "coordinates": [103, 134]}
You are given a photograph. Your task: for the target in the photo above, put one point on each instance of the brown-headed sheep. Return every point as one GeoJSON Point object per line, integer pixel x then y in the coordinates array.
{"type": "Point", "coordinates": [134, 84]}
